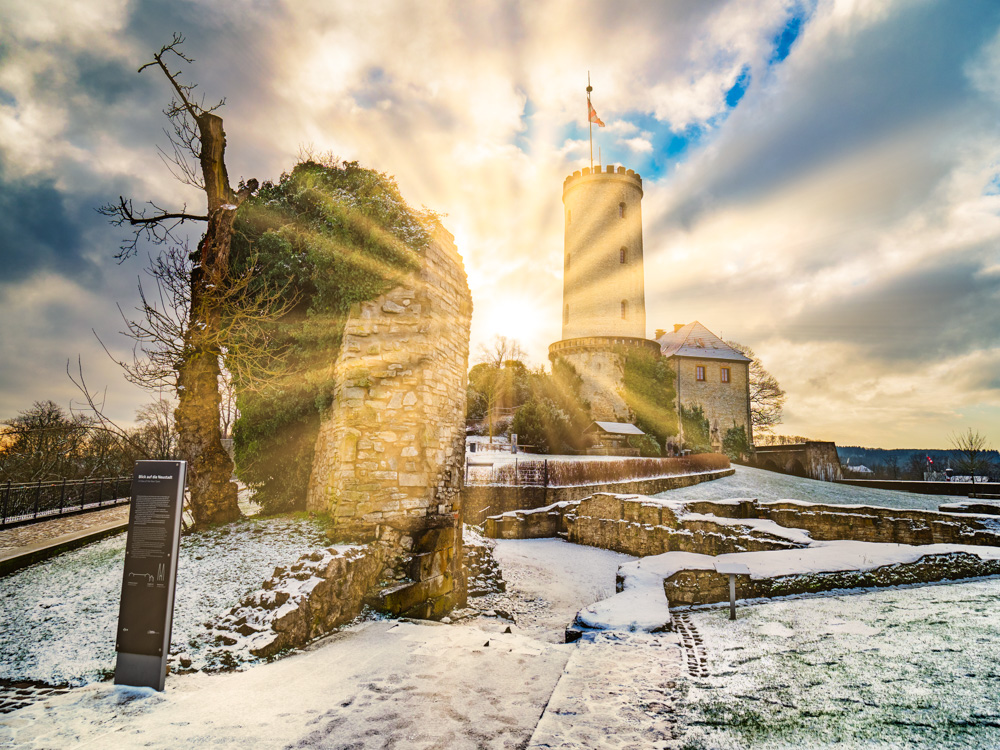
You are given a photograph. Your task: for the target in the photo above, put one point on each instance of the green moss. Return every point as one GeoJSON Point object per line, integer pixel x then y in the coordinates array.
{"type": "Point", "coordinates": [323, 238]}
{"type": "Point", "coordinates": [697, 433]}
{"type": "Point", "coordinates": [649, 393]}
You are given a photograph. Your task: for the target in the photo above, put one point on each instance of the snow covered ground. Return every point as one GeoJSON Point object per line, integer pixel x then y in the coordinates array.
{"type": "Point", "coordinates": [768, 485]}
{"type": "Point", "coordinates": [913, 667]}
{"type": "Point", "coordinates": [58, 618]}
{"type": "Point", "coordinates": [900, 668]}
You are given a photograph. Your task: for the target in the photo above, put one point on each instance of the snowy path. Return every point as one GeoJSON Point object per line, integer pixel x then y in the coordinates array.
{"type": "Point", "coordinates": [618, 692]}
{"type": "Point", "coordinates": [378, 685]}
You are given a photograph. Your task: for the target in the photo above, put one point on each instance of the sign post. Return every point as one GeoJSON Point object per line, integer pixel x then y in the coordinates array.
{"type": "Point", "coordinates": [146, 614]}
{"type": "Point", "coordinates": [732, 570]}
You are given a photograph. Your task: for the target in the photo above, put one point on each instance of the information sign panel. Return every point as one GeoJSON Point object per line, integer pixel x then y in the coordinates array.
{"type": "Point", "coordinates": [147, 602]}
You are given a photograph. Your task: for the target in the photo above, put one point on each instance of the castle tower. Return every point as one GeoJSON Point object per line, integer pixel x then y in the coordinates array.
{"type": "Point", "coordinates": [604, 305]}
{"type": "Point", "coordinates": [603, 291]}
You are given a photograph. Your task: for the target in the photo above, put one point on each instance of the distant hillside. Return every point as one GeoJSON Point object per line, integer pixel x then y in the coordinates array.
{"type": "Point", "coordinates": [906, 463]}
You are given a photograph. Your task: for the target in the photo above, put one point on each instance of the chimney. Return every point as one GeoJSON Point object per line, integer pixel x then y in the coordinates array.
{"type": "Point", "coordinates": [658, 333]}
{"type": "Point", "coordinates": [678, 326]}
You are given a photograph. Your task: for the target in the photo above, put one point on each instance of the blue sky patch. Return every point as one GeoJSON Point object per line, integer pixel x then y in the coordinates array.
{"type": "Point", "coordinates": [739, 88]}
{"type": "Point", "coordinates": [784, 41]}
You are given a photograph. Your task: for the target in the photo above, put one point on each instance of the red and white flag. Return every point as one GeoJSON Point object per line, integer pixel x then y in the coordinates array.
{"type": "Point", "coordinates": [592, 115]}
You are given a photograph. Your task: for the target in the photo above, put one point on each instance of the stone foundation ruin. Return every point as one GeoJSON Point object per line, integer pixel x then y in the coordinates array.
{"type": "Point", "coordinates": [800, 547]}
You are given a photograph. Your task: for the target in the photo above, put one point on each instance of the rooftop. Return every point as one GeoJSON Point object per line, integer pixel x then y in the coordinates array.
{"type": "Point", "coordinates": [617, 428]}
{"type": "Point", "coordinates": [694, 340]}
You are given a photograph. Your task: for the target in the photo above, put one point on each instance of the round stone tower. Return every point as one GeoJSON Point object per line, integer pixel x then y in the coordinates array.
{"type": "Point", "coordinates": [603, 291]}
{"type": "Point", "coordinates": [604, 305]}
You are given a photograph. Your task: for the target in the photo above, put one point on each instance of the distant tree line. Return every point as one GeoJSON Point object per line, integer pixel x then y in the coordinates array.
{"type": "Point", "coordinates": [45, 442]}
{"type": "Point", "coordinates": [911, 463]}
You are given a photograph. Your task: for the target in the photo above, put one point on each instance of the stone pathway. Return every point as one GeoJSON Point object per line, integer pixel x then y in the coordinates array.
{"type": "Point", "coordinates": [618, 691]}
{"type": "Point", "coordinates": [22, 536]}
{"type": "Point", "coordinates": [21, 693]}
{"type": "Point", "coordinates": [695, 657]}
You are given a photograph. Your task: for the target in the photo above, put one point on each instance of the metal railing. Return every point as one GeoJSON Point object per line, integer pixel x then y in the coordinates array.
{"type": "Point", "coordinates": [29, 501]}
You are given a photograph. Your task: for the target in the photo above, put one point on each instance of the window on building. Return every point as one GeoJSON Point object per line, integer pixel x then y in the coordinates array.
{"type": "Point", "coordinates": [624, 309]}
{"type": "Point", "coordinates": [725, 374]}
{"type": "Point", "coordinates": [621, 210]}
{"type": "Point", "coordinates": [566, 314]}
{"type": "Point", "coordinates": [621, 255]}
{"type": "Point", "coordinates": [699, 372]}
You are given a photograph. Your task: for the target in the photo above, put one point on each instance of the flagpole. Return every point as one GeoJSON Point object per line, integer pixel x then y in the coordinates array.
{"type": "Point", "coordinates": [589, 123]}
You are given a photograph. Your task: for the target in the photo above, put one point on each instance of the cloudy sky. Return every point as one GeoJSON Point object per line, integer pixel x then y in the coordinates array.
{"type": "Point", "coordinates": [822, 179]}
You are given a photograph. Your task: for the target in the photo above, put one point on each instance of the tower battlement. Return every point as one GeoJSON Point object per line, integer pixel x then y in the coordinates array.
{"type": "Point", "coordinates": [585, 175]}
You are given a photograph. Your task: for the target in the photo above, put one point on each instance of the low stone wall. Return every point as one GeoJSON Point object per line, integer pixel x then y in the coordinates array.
{"type": "Point", "coordinates": [322, 591]}
{"type": "Point", "coordinates": [925, 488]}
{"type": "Point", "coordinates": [692, 587]}
{"type": "Point", "coordinates": [633, 526]}
{"type": "Point", "coordinates": [639, 527]}
{"type": "Point", "coordinates": [481, 501]}
{"type": "Point", "coordinates": [876, 524]}
{"type": "Point", "coordinates": [815, 459]}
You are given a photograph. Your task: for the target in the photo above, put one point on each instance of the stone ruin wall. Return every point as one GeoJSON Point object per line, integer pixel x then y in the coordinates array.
{"type": "Point", "coordinates": [389, 455]}
{"type": "Point", "coordinates": [635, 526]}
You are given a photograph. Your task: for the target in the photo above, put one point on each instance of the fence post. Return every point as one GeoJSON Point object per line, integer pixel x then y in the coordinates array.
{"type": "Point", "coordinates": [62, 496]}
{"type": "Point", "coordinates": [517, 477]}
{"type": "Point", "coordinates": [83, 493]}
{"type": "Point", "coordinates": [546, 472]}
{"type": "Point", "coordinates": [38, 493]}
{"type": "Point", "coordinates": [100, 493]}
{"type": "Point", "coordinates": [6, 502]}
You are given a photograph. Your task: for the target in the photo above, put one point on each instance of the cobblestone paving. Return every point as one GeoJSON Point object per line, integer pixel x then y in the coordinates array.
{"type": "Point", "coordinates": [620, 691]}
{"type": "Point", "coordinates": [22, 536]}
{"type": "Point", "coordinates": [695, 657]}
{"type": "Point", "coordinates": [21, 693]}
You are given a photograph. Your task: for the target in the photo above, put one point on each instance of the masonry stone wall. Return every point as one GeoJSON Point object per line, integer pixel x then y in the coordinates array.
{"type": "Point", "coordinates": [599, 362]}
{"type": "Point", "coordinates": [725, 404]}
{"type": "Point", "coordinates": [390, 451]}
{"type": "Point", "coordinates": [814, 458]}
{"type": "Point", "coordinates": [694, 587]}
{"type": "Point", "coordinates": [481, 501]}
{"type": "Point", "coordinates": [635, 526]}
{"type": "Point", "coordinates": [877, 524]}
{"type": "Point", "coordinates": [602, 373]}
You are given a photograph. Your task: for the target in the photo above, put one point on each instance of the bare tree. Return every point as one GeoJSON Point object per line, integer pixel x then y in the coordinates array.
{"type": "Point", "coordinates": [156, 429]}
{"type": "Point", "coordinates": [493, 378]}
{"type": "Point", "coordinates": [766, 397]}
{"type": "Point", "coordinates": [42, 442]}
{"type": "Point", "coordinates": [501, 350]}
{"type": "Point", "coordinates": [974, 450]}
{"type": "Point", "coordinates": [197, 134]}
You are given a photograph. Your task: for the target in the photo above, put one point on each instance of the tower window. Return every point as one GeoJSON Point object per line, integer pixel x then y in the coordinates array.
{"type": "Point", "coordinates": [566, 314]}
{"type": "Point", "coordinates": [621, 210]}
{"type": "Point", "coordinates": [725, 374]}
{"type": "Point", "coordinates": [621, 255]}
{"type": "Point", "coordinates": [699, 373]}
{"type": "Point", "coordinates": [624, 309]}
